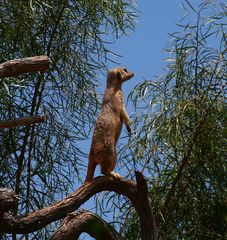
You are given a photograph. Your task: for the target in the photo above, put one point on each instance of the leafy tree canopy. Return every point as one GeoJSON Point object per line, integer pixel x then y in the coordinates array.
{"type": "Point", "coordinates": [42, 162]}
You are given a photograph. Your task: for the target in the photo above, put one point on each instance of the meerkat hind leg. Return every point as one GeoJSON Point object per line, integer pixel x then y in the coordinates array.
{"type": "Point", "coordinates": [91, 169]}
{"type": "Point", "coordinates": [107, 170]}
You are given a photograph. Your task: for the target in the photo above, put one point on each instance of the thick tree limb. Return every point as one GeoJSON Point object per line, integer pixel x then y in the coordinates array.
{"type": "Point", "coordinates": [84, 221]}
{"type": "Point", "coordinates": [22, 121]}
{"type": "Point", "coordinates": [59, 210]}
{"type": "Point", "coordinates": [16, 67]}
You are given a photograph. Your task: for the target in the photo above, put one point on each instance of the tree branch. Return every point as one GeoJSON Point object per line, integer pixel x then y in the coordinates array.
{"type": "Point", "coordinates": [84, 221]}
{"type": "Point", "coordinates": [59, 210]}
{"type": "Point", "coordinates": [185, 159]}
{"type": "Point", "coordinates": [16, 67]}
{"type": "Point", "coordinates": [182, 166]}
{"type": "Point", "coordinates": [22, 121]}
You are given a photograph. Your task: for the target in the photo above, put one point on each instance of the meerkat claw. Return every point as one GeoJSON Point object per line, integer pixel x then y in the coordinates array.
{"type": "Point", "coordinates": [115, 175]}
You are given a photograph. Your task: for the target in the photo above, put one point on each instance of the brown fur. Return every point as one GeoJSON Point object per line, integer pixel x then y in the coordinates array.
{"type": "Point", "coordinates": [109, 124]}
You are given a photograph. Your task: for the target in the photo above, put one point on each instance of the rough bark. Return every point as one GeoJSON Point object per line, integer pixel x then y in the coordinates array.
{"type": "Point", "coordinates": [59, 210]}
{"type": "Point", "coordinates": [40, 218]}
{"type": "Point", "coordinates": [8, 200]}
{"type": "Point", "coordinates": [84, 221]}
{"type": "Point", "coordinates": [11, 123]}
{"type": "Point", "coordinates": [16, 67]}
{"type": "Point", "coordinates": [147, 220]}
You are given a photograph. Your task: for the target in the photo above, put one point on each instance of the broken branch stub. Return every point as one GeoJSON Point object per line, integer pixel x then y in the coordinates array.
{"type": "Point", "coordinates": [16, 67]}
{"type": "Point", "coordinates": [11, 123]}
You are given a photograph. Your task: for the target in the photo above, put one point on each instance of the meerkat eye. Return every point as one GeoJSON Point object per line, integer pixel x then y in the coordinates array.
{"type": "Point", "coordinates": [125, 69]}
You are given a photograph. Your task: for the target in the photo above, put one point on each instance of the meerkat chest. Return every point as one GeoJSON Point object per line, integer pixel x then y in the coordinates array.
{"type": "Point", "coordinates": [114, 101]}
{"type": "Point", "coordinates": [117, 99]}
{"type": "Point", "coordinates": [117, 102]}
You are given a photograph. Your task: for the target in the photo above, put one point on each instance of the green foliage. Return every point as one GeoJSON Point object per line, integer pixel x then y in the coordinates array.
{"type": "Point", "coordinates": [179, 131]}
{"type": "Point", "coordinates": [43, 162]}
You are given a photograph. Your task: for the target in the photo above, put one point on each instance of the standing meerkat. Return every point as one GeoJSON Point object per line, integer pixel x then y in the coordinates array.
{"type": "Point", "coordinates": [109, 124]}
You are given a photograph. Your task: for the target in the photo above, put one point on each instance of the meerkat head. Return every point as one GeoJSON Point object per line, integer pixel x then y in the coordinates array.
{"type": "Point", "coordinates": [117, 76]}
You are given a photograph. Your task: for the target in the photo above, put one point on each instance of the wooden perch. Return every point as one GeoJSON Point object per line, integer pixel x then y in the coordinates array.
{"type": "Point", "coordinates": [84, 221]}
{"type": "Point", "coordinates": [22, 121]}
{"type": "Point", "coordinates": [16, 67]}
{"type": "Point", "coordinates": [40, 218]}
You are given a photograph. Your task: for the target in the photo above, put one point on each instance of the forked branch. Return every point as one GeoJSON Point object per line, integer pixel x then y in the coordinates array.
{"type": "Point", "coordinates": [137, 194]}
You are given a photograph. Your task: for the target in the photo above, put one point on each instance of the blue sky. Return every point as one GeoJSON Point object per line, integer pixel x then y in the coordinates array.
{"type": "Point", "coordinates": [142, 51]}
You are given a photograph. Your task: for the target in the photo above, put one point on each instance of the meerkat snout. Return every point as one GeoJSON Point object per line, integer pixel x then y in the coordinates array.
{"type": "Point", "coordinates": [117, 76]}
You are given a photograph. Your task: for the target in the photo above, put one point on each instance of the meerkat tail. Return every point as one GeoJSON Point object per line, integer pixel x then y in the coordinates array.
{"type": "Point", "coordinates": [90, 171]}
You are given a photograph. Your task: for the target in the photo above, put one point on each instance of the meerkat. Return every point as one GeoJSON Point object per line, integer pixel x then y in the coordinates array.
{"type": "Point", "coordinates": [109, 124]}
